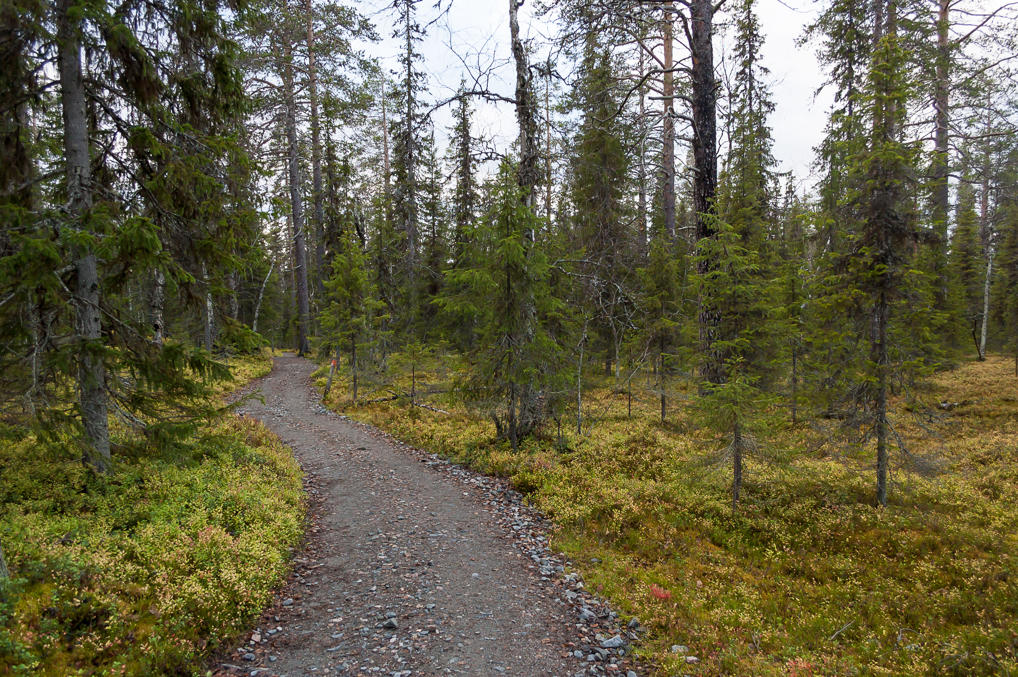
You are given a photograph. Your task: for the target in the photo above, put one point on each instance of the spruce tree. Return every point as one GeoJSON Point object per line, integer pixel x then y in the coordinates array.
{"type": "Point", "coordinates": [407, 159]}
{"type": "Point", "coordinates": [514, 354]}
{"type": "Point", "coordinates": [734, 265]}
{"type": "Point", "coordinates": [967, 266]}
{"type": "Point", "coordinates": [600, 176]}
{"type": "Point", "coordinates": [352, 317]}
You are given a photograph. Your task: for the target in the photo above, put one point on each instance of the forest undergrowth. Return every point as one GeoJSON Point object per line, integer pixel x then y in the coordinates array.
{"type": "Point", "coordinates": [146, 570]}
{"type": "Point", "coordinates": [807, 577]}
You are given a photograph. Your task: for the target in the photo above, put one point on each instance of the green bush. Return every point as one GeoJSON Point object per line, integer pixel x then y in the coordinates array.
{"type": "Point", "coordinates": [145, 571]}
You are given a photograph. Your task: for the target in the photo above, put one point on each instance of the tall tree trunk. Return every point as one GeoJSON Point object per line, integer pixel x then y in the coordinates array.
{"type": "Point", "coordinates": [668, 122]}
{"type": "Point", "coordinates": [986, 304]}
{"type": "Point", "coordinates": [528, 176]}
{"type": "Point", "coordinates": [300, 257]}
{"type": "Point", "coordinates": [641, 169]}
{"type": "Point", "coordinates": [547, 146]}
{"type": "Point", "coordinates": [157, 304]}
{"type": "Point", "coordinates": [795, 383]}
{"type": "Point", "coordinates": [941, 140]}
{"type": "Point", "coordinates": [210, 312]}
{"type": "Point", "coordinates": [316, 155]}
{"type": "Point", "coordinates": [386, 162]}
{"type": "Point", "coordinates": [231, 283]}
{"type": "Point", "coordinates": [705, 173]}
{"type": "Point", "coordinates": [88, 325]}
{"type": "Point", "coordinates": [880, 358]}
{"type": "Point", "coordinates": [261, 295]}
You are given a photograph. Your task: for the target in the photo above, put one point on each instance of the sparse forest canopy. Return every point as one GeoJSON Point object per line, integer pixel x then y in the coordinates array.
{"type": "Point", "coordinates": [184, 183]}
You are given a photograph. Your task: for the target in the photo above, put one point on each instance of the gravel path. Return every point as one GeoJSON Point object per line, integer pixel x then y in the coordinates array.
{"type": "Point", "coordinates": [414, 566]}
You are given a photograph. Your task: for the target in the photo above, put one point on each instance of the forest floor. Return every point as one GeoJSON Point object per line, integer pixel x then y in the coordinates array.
{"type": "Point", "coordinates": [415, 566]}
{"type": "Point", "coordinates": [807, 577]}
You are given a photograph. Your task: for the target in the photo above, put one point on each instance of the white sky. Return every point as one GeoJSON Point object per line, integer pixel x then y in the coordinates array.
{"type": "Point", "coordinates": [478, 32]}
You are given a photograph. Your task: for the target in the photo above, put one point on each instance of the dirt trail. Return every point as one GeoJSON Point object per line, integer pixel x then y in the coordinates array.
{"type": "Point", "coordinates": [414, 566]}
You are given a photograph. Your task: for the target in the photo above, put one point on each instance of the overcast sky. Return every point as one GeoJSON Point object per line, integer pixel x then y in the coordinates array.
{"type": "Point", "coordinates": [478, 33]}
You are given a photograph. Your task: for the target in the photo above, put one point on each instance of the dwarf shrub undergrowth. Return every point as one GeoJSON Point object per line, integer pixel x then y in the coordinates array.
{"type": "Point", "coordinates": [146, 570]}
{"type": "Point", "coordinates": [808, 578]}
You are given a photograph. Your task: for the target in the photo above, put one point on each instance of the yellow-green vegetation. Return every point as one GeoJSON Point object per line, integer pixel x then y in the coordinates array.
{"type": "Point", "coordinates": [146, 570]}
{"type": "Point", "coordinates": [808, 577]}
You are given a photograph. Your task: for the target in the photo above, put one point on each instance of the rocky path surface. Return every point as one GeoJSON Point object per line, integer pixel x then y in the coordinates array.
{"type": "Point", "coordinates": [414, 566]}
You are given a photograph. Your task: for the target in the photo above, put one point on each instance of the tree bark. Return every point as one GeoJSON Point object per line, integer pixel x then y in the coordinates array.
{"type": "Point", "coordinates": [736, 466]}
{"type": "Point", "coordinates": [210, 312]}
{"type": "Point", "coordinates": [231, 283]}
{"type": "Point", "coordinates": [5, 573]}
{"type": "Point", "coordinates": [156, 304]}
{"type": "Point", "coordinates": [705, 173]}
{"type": "Point", "coordinates": [386, 162]}
{"type": "Point", "coordinates": [332, 372]}
{"type": "Point", "coordinates": [528, 176]}
{"type": "Point", "coordinates": [668, 122]}
{"type": "Point", "coordinates": [986, 304]}
{"type": "Point", "coordinates": [296, 207]}
{"type": "Point", "coordinates": [261, 295]}
{"type": "Point", "coordinates": [880, 358]}
{"type": "Point", "coordinates": [316, 155]}
{"type": "Point", "coordinates": [641, 169]}
{"type": "Point", "coordinates": [87, 295]}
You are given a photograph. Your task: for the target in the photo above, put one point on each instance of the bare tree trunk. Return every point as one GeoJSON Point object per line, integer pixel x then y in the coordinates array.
{"type": "Point", "coordinates": [157, 303]}
{"type": "Point", "coordinates": [880, 358]}
{"type": "Point", "coordinates": [661, 377]}
{"type": "Point", "coordinates": [668, 123]}
{"type": "Point", "coordinates": [386, 162]}
{"type": "Point", "coordinates": [547, 145]}
{"type": "Point", "coordinates": [986, 304]}
{"type": "Point", "coordinates": [261, 295]}
{"type": "Point", "coordinates": [88, 325]}
{"type": "Point", "coordinates": [579, 384]}
{"type": "Point", "coordinates": [332, 372]}
{"type": "Point", "coordinates": [316, 155]}
{"type": "Point", "coordinates": [528, 176]}
{"type": "Point", "coordinates": [641, 169]}
{"type": "Point", "coordinates": [736, 466]}
{"type": "Point", "coordinates": [353, 366]}
{"type": "Point", "coordinates": [210, 316]}
{"type": "Point", "coordinates": [5, 573]}
{"type": "Point", "coordinates": [231, 282]}
{"type": "Point", "coordinates": [297, 208]}
{"type": "Point", "coordinates": [705, 174]}
{"type": "Point", "coordinates": [795, 384]}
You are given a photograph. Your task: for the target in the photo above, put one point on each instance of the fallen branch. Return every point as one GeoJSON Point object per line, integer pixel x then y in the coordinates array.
{"type": "Point", "coordinates": [846, 626]}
